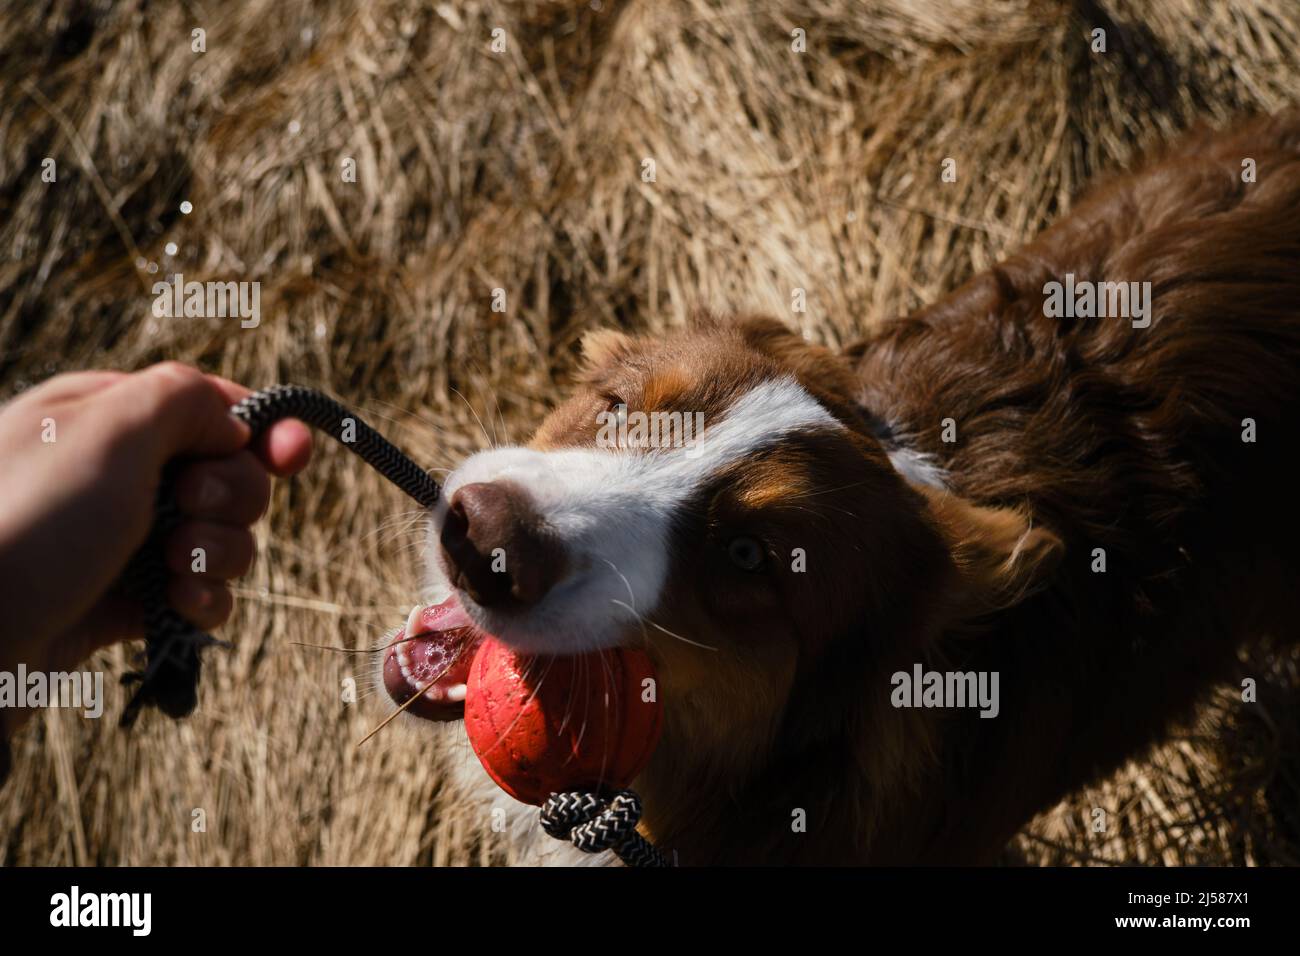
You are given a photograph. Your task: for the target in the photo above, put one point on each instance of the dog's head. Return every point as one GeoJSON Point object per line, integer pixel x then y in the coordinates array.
{"type": "Point", "coordinates": [718, 496]}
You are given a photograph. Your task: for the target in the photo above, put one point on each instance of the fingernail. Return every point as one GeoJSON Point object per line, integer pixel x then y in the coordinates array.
{"type": "Point", "coordinates": [213, 492]}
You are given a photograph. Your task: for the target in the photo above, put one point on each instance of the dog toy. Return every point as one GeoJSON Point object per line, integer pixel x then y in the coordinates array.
{"type": "Point", "coordinates": [569, 734]}
{"type": "Point", "coordinates": [545, 724]}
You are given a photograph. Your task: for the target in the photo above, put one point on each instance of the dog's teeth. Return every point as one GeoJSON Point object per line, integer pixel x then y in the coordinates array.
{"type": "Point", "coordinates": [413, 621]}
{"type": "Point", "coordinates": [403, 647]}
{"type": "Point", "coordinates": [457, 692]}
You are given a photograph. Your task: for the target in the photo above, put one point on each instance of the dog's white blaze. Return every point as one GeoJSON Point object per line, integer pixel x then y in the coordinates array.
{"type": "Point", "coordinates": [613, 510]}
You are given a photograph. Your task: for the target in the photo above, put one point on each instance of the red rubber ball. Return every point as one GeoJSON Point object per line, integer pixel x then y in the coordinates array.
{"type": "Point", "coordinates": [542, 725]}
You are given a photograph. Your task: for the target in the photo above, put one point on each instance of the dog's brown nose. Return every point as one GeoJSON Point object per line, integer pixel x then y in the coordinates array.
{"type": "Point", "coordinates": [496, 548]}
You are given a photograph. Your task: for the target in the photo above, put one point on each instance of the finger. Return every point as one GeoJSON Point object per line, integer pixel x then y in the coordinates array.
{"type": "Point", "coordinates": [285, 447]}
{"type": "Point", "coordinates": [235, 489]}
{"type": "Point", "coordinates": [217, 552]}
{"type": "Point", "coordinates": [205, 604]}
{"type": "Point", "coordinates": [176, 410]}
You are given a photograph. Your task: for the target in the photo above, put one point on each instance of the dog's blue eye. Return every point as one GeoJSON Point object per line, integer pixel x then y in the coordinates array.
{"type": "Point", "coordinates": [746, 553]}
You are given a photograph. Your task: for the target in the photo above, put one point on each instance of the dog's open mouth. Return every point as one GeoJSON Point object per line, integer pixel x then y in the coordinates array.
{"type": "Point", "coordinates": [429, 660]}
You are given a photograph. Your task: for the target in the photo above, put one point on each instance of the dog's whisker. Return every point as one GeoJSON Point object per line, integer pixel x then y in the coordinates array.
{"type": "Point", "coordinates": [482, 386]}
{"type": "Point", "coordinates": [660, 627]}
{"type": "Point", "coordinates": [441, 430]}
{"type": "Point", "coordinates": [496, 402]}
{"type": "Point", "coordinates": [482, 427]}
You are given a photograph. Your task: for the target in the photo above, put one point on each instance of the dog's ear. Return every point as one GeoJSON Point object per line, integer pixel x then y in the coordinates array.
{"type": "Point", "coordinates": [1000, 556]}
{"type": "Point", "coordinates": [816, 366]}
{"type": "Point", "coordinates": [770, 336]}
{"type": "Point", "coordinates": [602, 346]}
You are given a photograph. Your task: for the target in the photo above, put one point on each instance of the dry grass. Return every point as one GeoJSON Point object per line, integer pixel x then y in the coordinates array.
{"type": "Point", "coordinates": [522, 171]}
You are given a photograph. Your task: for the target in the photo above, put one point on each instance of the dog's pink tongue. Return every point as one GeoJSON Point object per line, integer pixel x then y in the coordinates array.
{"type": "Point", "coordinates": [429, 660]}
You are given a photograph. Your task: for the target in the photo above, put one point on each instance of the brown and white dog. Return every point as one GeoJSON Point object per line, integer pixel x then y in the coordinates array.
{"type": "Point", "coordinates": [1099, 511]}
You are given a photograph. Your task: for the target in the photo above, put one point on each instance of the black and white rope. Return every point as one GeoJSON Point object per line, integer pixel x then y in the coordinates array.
{"type": "Point", "coordinates": [263, 409]}
{"type": "Point", "coordinates": [594, 824]}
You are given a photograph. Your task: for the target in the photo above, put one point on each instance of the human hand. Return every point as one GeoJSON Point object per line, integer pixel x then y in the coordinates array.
{"type": "Point", "coordinates": [81, 459]}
